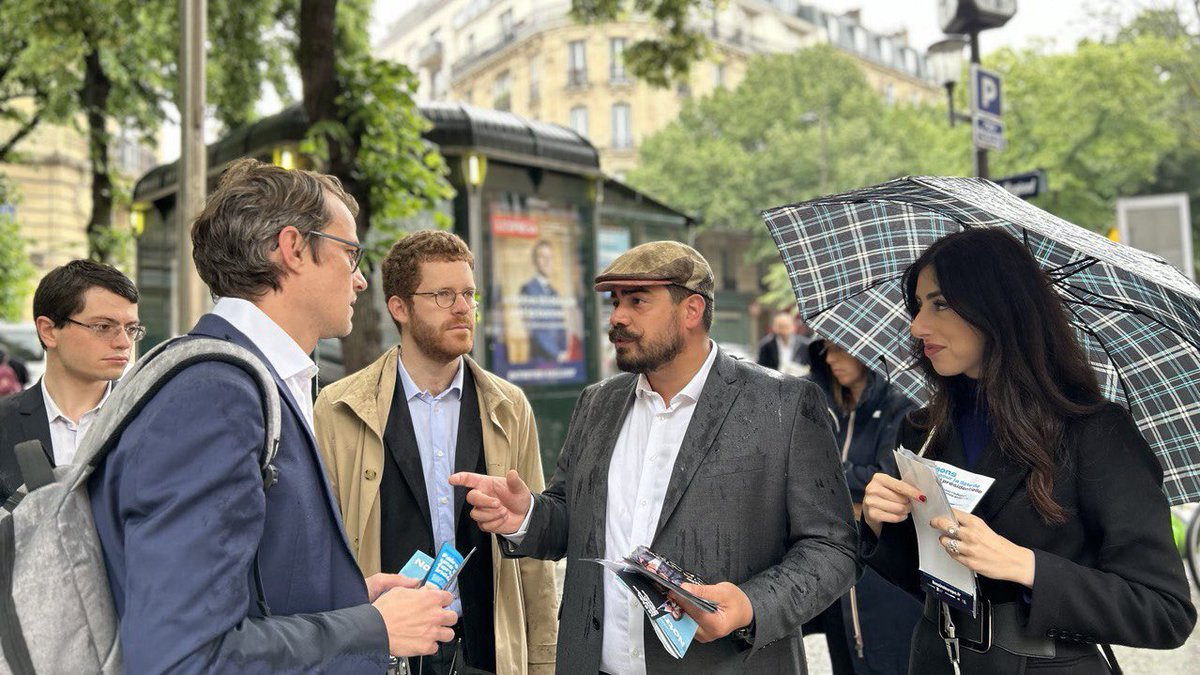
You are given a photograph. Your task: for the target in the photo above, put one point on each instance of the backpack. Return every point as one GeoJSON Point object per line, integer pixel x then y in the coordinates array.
{"type": "Point", "coordinates": [9, 382]}
{"type": "Point", "coordinates": [56, 606]}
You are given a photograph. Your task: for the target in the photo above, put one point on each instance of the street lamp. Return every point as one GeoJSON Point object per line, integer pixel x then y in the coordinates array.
{"type": "Point", "coordinates": [945, 59]}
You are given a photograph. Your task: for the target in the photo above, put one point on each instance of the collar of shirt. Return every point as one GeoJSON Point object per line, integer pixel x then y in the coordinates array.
{"type": "Point", "coordinates": [53, 412]}
{"type": "Point", "coordinates": [690, 392]}
{"type": "Point", "coordinates": [411, 390]}
{"type": "Point", "coordinates": [285, 356]}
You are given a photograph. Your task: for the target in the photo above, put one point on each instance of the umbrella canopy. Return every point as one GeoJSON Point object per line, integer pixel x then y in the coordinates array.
{"type": "Point", "coordinates": [1137, 317]}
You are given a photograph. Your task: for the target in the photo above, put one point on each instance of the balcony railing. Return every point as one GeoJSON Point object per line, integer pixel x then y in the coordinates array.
{"type": "Point", "coordinates": [431, 54]}
{"type": "Point", "coordinates": [577, 77]}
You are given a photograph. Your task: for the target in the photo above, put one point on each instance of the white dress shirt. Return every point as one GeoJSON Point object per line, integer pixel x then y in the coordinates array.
{"type": "Point", "coordinates": [286, 357]}
{"type": "Point", "coordinates": [641, 467]}
{"type": "Point", "coordinates": [64, 432]}
{"type": "Point", "coordinates": [785, 352]}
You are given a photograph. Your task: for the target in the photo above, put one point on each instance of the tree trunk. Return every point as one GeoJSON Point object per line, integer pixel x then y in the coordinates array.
{"type": "Point", "coordinates": [317, 58]}
{"type": "Point", "coordinates": [94, 95]}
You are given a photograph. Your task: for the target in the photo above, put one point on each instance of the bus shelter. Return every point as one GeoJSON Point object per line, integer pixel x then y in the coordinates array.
{"type": "Point", "coordinates": [540, 217]}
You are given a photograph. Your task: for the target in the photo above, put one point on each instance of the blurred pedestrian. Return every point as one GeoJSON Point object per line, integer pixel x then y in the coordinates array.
{"type": "Point", "coordinates": [1072, 543]}
{"type": "Point", "coordinates": [715, 463]}
{"type": "Point", "coordinates": [868, 630]}
{"type": "Point", "coordinates": [86, 316]}
{"type": "Point", "coordinates": [208, 574]}
{"type": "Point", "coordinates": [391, 435]}
{"type": "Point", "coordinates": [783, 349]}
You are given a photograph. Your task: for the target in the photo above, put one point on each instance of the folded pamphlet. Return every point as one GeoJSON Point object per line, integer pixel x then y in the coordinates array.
{"type": "Point", "coordinates": [440, 573]}
{"type": "Point", "coordinates": [945, 486]}
{"type": "Point", "coordinates": [649, 577]}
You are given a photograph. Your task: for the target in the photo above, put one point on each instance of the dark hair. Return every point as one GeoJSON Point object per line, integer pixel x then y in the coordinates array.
{"type": "Point", "coordinates": [1034, 376]}
{"type": "Point", "coordinates": [402, 266]}
{"type": "Point", "coordinates": [60, 294]}
{"type": "Point", "coordinates": [679, 294]}
{"type": "Point", "coordinates": [233, 237]}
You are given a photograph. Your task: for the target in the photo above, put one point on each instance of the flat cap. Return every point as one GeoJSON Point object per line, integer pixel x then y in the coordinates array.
{"type": "Point", "coordinates": [659, 263]}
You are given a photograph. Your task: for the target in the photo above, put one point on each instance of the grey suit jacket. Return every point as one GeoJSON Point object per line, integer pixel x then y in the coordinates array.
{"type": "Point", "coordinates": [22, 418]}
{"type": "Point", "coordinates": [756, 497]}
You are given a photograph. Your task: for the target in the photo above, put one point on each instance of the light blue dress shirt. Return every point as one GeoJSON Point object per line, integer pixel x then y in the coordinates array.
{"type": "Point", "coordinates": [435, 425]}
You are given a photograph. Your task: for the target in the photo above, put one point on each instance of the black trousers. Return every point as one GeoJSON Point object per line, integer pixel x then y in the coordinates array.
{"type": "Point", "coordinates": [448, 660]}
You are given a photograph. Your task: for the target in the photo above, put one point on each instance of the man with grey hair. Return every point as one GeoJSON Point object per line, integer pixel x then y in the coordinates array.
{"type": "Point", "coordinates": [209, 574]}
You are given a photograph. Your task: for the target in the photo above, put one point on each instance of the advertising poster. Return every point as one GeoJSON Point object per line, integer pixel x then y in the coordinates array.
{"type": "Point", "coordinates": [611, 242]}
{"type": "Point", "coordinates": [537, 318]}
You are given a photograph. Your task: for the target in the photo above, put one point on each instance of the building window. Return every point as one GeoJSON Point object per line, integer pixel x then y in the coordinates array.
{"type": "Point", "coordinates": [535, 78]}
{"type": "Point", "coordinates": [622, 127]}
{"type": "Point", "coordinates": [470, 44]}
{"type": "Point", "coordinates": [616, 61]}
{"type": "Point", "coordinates": [506, 24]}
{"type": "Point", "coordinates": [889, 94]}
{"type": "Point", "coordinates": [502, 92]}
{"type": "Point", "coordinates": [469, 96]}
{"type": "Point", "coordinates": [577, 63]}
{"type": "Point", "coordinates": [435, 85]}
{"type": "Point", "coordinates": [579, 120]}
{"type": "Point", "coordinates": [719, 75]}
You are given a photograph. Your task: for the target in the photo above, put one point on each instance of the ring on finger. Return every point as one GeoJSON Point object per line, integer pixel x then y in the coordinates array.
{"type": "Point", "coordinates": [952, 545]}
{"type": "Point", "coordinates": [952, 532]}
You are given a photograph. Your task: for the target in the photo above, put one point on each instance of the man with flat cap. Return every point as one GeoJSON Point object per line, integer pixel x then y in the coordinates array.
{"type": "Point", "coordinates": [724, 466]}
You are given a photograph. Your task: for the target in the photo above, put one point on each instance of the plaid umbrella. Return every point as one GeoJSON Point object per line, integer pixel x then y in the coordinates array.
{"type": "Point", "coordinates": [1137, 317]}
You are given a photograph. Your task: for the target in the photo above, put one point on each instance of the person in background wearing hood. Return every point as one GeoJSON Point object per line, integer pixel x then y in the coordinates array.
{"type": "Point", "coordinates": [868, 630]}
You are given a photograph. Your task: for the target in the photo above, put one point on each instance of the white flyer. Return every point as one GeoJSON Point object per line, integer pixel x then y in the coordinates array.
{"type": "Point", "coordinates": [945, 486]}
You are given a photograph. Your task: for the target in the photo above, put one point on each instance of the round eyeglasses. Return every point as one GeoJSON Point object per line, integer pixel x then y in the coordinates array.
{"type": "Point", "coordinates": [446, 298]}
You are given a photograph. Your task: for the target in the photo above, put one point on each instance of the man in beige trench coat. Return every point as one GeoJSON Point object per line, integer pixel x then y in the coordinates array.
{"type": "Point", "coordinates": [391, 435]}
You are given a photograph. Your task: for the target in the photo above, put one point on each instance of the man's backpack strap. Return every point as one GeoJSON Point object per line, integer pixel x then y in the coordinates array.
{"type": "Point", "coordinates": [157, 367]}
{"type": "Point", "coordinates": [35, 465]}
{"type": "Point", "coordinates": [12, 641]}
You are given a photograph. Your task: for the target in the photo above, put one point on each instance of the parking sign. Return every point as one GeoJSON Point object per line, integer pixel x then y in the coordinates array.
{"type": "Point", "coordinates": [985, 91]}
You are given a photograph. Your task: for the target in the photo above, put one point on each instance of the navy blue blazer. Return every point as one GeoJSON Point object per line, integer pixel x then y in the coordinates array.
{"type": "Point", "coordinates": [180, 510]}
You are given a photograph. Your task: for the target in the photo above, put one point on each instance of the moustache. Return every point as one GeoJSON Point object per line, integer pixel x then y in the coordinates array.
{"type": "Point", "coordinates": [622, 333]}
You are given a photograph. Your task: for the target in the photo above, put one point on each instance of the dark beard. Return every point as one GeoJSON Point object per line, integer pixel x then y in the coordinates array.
{"type": "Point", "coordinates": [428, 339]}
{"type": "Point", "coordinates": [653, 355]}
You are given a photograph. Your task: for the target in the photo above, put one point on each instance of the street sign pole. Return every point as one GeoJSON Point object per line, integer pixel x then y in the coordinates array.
{"type": "Point", "coordinates": [981, 155]}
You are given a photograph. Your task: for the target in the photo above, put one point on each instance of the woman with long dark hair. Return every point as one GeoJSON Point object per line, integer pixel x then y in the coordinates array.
{"type": "Point", "coordinates": [1072, 543]}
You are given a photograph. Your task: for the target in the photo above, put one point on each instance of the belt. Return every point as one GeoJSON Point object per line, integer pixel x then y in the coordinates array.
{"type": "Point", "coordinates": [998, 625]}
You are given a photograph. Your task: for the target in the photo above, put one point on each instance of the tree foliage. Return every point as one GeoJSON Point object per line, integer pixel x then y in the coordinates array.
{"type": "Point", "coordinates": [1099, 120]}
{"type": "Point", "coordinates": [799, 125]}
{"type": "Point", "coordinates": [366, 129]}
{"type": "Point", "coordinates": [35, 84]}
{"type": "Point", "coordinates": [669, 56]}
{"type": "Point", "coordinates": [1107, 120]}
{"type": "Point", "coordinates": [16, 272]}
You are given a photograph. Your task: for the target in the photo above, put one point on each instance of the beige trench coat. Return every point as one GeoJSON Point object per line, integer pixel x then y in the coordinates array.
{"type": "Point", "coordinates": [350, 417]}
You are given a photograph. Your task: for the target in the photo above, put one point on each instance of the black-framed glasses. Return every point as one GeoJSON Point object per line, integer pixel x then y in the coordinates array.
{"type": "Point", "coordinates": [356, 249]}
{"type": "Point", "coordinates": [106, 330]}
{"type": "Point", "coordinates": [446, 298]}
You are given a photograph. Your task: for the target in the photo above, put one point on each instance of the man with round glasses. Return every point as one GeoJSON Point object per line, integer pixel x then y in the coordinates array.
{"type": "Point", "coordinates": [87, 320]}
{"type": "Point", "coordinates": [390, 436]}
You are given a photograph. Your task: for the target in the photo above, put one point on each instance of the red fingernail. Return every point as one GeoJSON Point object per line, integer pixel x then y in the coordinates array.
{"type": "Point", "coordinates": [922, 498]}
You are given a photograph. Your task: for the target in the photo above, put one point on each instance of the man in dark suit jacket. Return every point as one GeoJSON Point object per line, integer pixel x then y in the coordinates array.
{"type": "Point", "coordinates": [718, 464]}
{"type": "Point", "coordinates": [22, 418]}
{"type": "Point", "coordinates": [179, 503]}
{"type": "Point", "coordinates": [783, 341]}
{"type": "Point", "coordinates": [87, 321]}
{"type": "Point", "coordinates": [544, 316]}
